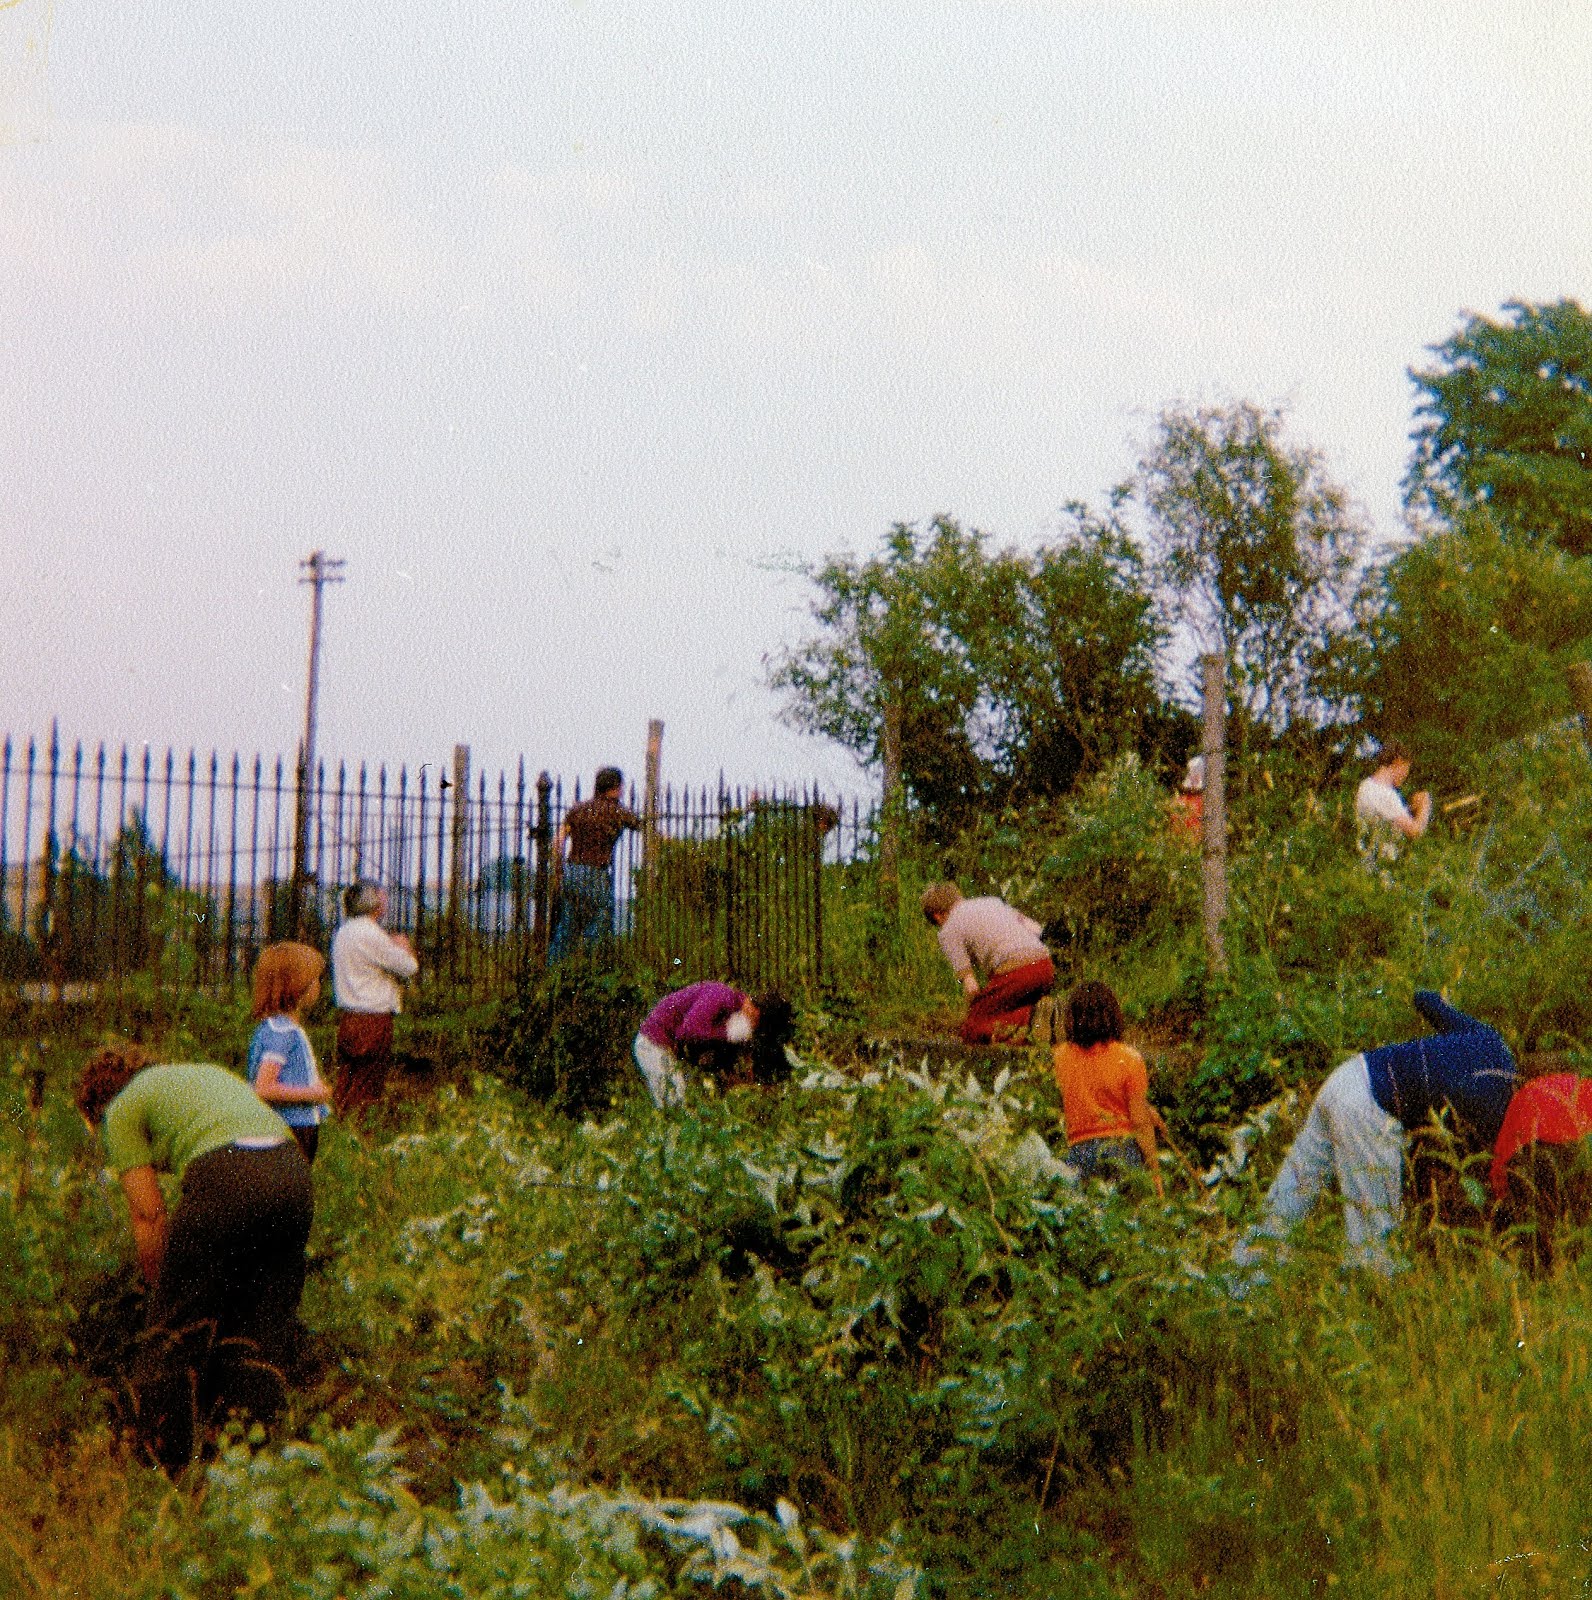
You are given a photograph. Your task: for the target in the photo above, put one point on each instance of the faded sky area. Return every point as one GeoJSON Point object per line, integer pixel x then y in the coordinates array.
{"type": "Point", "coordinates": [571, 326]}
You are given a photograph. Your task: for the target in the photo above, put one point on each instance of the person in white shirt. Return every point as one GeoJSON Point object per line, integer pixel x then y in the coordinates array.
{"type": "Point", "coordinates": [1383, 818]}
{"type": "Point", "coordinates": [368, 964]}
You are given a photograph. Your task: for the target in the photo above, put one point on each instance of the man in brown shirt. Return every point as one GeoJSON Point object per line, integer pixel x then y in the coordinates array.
{"type": "Point", "coordinates": [589, 831]}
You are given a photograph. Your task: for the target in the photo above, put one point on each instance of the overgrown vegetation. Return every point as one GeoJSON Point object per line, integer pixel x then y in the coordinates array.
{"type": "Point", "coordinates": [860, 1334]}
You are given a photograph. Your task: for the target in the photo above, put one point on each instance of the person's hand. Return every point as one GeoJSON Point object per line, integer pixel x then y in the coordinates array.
{"type": "Point", "coordinates": [404, 942]}
{"type": "Point", "coordinates": [1421, 805]}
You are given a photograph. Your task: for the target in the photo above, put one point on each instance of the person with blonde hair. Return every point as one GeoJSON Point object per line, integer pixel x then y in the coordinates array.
{"type": "Point", "coordinates": [282, 1066]}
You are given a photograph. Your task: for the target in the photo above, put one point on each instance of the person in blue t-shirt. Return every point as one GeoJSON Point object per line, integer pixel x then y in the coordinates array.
{"type": "Point", "coordinates": [282, 1068]}
{"type": "Point", "coordinates": [1357, 1128]}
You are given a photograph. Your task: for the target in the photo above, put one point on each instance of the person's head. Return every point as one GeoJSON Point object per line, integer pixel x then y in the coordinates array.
{"type": "Point", "coordinates": [1394, 761]}
{"type": "Point", "coordinates": [776, 1019]}
{"type": "Point", "coordinates": [104, 1075]}
{"type": "Point", "coordinates": [938, 901]}
{"type": "Point", "coordinates": [609, 781]}
{"type": "Point", "coordinates": [1194, 776]}
{"type": "Point", "coordinates": [1093, 1015]}
{"type": "Point", "coordinates": [365, 899]}
{"type": "Point", "coordinates": [286, 977]}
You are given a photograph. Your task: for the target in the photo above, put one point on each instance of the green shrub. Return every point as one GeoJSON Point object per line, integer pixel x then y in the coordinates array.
{"type": "Point", "coordinates": [564, 1036]}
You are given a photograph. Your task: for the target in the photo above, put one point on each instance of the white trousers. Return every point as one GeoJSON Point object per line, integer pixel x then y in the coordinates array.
{"type": "Point", "coordinates": [661, 1069]}
{"type": "Point", "coordinates": [1348, 1137]}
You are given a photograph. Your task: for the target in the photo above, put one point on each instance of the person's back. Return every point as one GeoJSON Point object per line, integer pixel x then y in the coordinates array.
{"type": "Point", "coordinates": [1464, 1064]}
{"type": "Point", "coordinates": [988, 935]}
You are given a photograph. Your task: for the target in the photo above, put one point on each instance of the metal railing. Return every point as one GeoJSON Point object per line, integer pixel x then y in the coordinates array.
{"type": "Point", "coordinates": [122, 867]}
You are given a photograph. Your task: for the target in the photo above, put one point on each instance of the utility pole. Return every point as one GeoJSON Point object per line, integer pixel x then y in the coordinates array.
{"type": "Point", "coordinates": [319, 570]}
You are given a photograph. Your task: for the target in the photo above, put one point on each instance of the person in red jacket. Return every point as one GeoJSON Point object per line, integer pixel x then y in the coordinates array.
{"type": "Point", "coordinates": [1540, 1174]}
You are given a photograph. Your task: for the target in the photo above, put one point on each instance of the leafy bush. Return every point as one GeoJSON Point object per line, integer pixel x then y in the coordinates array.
{"type": "Point", "coordinates": [564, 1036]}
{"type": "Point", "coordinates": [1104, 864]}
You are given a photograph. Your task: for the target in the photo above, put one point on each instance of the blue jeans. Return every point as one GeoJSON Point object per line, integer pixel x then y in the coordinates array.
{"type": "Point", "coordinates": [1105, 1158]}
{"type": "Point", "coordinates": [586, 910]}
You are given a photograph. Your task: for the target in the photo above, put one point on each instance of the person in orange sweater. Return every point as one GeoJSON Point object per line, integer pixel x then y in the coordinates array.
{"type": "Point", "coordinates": [1105, 1090]}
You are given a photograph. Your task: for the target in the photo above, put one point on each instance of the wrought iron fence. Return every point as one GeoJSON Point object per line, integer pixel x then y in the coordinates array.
{"type": "Point", "coordinates": [127, 867]}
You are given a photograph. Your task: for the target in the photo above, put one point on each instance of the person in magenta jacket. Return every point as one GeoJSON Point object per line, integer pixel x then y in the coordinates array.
{"type": "Point", "coordinates": [709, 1021]}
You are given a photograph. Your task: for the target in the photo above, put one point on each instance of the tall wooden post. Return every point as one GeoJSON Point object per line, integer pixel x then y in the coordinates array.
{"type": "Point", "coordinates": [1579, 676]}
{"type": "Point", "coordinates": [1213, 747]}
{"type": "Point", "coordinates": [890, 810]}
{"type": "Point", "coordinates": [542, 892]}
{"type": "Point", "coordinates": [651, 781]}
{"type": "Point", "coordinates": [459, 848]}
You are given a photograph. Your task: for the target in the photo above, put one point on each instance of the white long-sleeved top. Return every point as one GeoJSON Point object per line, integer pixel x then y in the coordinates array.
{"type": "Point", "coordinates": [366, 966]}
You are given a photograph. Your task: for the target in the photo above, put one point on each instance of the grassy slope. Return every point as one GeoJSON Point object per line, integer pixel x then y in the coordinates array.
{"type": "Point", "coordinates": [874, 1320]}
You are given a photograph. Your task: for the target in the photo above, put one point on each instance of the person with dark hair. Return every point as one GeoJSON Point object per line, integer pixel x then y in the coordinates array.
{"type": "Point", "coordinates": [990, 938]}
{"type": "Point", "coordinates": [226, 1268]}
{"type": "Point", "coordinates": [1383, 819]}
{"type": "Point", "coordinates": [585, 885]}
{"type": "Point", "coordinates": [713, 1026]}
{"type": "Point", "coordinates": [368, 964]}
{"type": "Point", "coordinates": [282, 1066]}
{"type": "Point", "coordinates": [1105, 1090]}
{"type": "Point", "coordinates": [1358, 1125]}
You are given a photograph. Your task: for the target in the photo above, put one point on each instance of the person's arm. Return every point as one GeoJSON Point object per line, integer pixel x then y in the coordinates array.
{"type": "Point", "coordinates": [1144, 1118]}
{"type": "Point", "coordinates": [270, 1088]}
{"type": "Point", "coordinates": [1441, 1016]}
{"type": "Point", "coordinates": [394, 953]}
{"type": "Point", "coordinates": [146, 1208]}
{"type": "Point", "coordinates": [560, 841]}
{"type": "Point", "coordinates": [1412, 822]}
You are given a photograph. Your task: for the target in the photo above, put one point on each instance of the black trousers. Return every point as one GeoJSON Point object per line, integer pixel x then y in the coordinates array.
{"type": "Point", "coordinates": [224, 1317]}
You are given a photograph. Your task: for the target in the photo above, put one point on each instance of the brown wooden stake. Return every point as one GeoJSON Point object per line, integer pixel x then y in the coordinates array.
{"type": "Point", "coordinates": [1579, 676]}
{"type": "Point", "coordinates": [890, 810]}
{"type": "Point", "coordinates": [1214, 854]}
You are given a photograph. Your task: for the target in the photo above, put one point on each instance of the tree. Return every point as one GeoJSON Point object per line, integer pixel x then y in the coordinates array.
{"type": "Point", "coordinates": [1255, 553]}
{"type": "Point", "coordinates": [1464, 640]}
{"type": "Point", "coordinates": [1505, 422]}
{"type": "Point", "coordinates": [1014, 673]}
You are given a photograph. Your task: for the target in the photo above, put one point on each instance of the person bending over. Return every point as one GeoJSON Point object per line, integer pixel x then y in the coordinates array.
{"type": "Point", "coordinates": [713, 1026]}
{"type": "Point", "coordinates": [226, 1267]}
{"type": "Point", "coordinates": [1358, 1125]}
{"type": "Point", "coordinates": [1105, 1089]}
{"type": "Point", "coordinates": [988, 938]}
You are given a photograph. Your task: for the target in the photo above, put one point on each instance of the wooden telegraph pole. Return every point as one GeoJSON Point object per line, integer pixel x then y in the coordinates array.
{"type": "Point", "coordinates": [890, 810]}
{"type": "Point", "coordinates": [320, 570]}
{"type": "Point", "coordinates": [1213, 747]}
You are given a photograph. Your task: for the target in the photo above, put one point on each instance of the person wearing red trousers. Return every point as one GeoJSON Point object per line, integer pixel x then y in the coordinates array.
{"type": "Point", "coordinates": [987, 939]}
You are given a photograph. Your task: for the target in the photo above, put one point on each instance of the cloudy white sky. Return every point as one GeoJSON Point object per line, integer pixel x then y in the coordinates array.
{"type": "Point", "coordinates": [572, 324]}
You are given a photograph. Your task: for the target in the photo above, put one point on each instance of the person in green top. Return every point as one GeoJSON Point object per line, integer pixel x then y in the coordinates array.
{"type": "Point", "coordinates": [226, 1266]}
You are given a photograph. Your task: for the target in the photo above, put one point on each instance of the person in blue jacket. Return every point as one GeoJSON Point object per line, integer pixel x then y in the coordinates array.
{"type": "Point", "coordinates": [1357, 1128]}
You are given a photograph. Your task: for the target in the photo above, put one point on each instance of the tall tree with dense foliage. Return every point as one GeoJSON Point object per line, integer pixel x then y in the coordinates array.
{"type": "Point", "coordinates": [1504, 421]}
{"type": "Point", "coordinates": [1463, 643]}
{"type": "Point", "coordinates": [1014, 673]}
{"type": "Point", "coordinates": [1255, 554]}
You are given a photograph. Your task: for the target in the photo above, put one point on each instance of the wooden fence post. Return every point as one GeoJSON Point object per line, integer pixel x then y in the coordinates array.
{"type": "Point", "coordinates": [1214, 853]}
{"type": "Point", "coordinates": [1579, 676]}
{"type": "Point", "coordinates": [890, 811]}
{"type": "Point", "coordinates": [459, 844]}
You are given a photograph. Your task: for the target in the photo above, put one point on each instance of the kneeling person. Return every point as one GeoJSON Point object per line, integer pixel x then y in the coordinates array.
{"type": "Point", "coordinates": [990, 938]}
